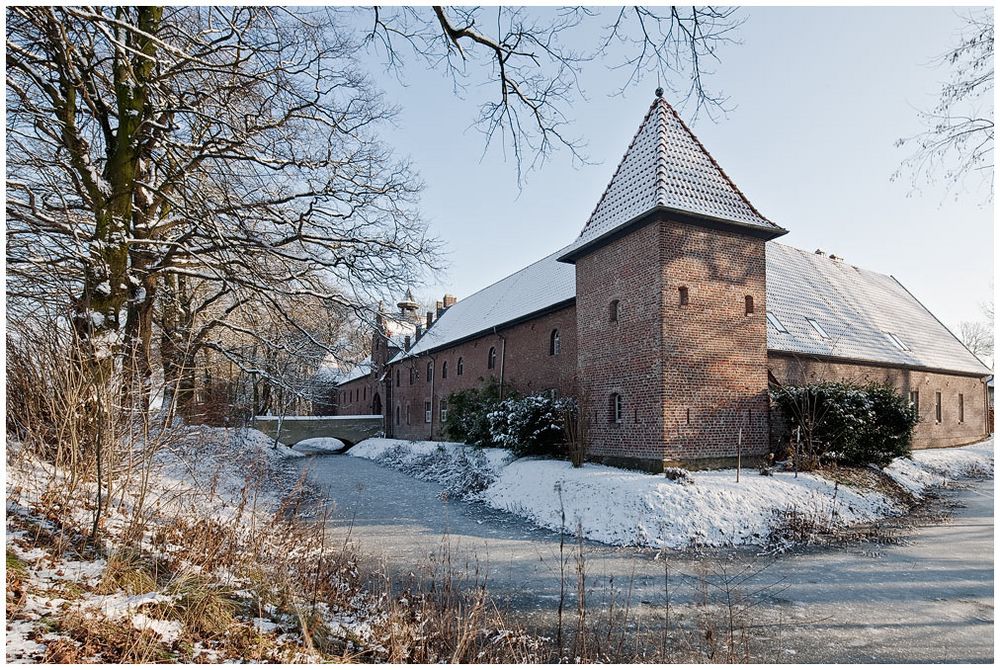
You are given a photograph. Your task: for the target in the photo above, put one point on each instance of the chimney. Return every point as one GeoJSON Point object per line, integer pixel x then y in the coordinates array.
{"type": "Point", "coordinates": [438, 308]}
{"type": "Point", "coordinates": [819, 252]}
{"type": "Point", "coordinates": [430, 319]}
{"type": "Point", "coordinates": [406, 343]}
{"type": "Point", "coordinates": [449, 300]}
{"type": "Point", "coordinates": [834, 257]}
{"type": "Point", "coordinates": [420, 331]}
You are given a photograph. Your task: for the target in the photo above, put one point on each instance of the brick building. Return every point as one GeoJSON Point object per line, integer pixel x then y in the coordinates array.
{"type": "Point", "coordinates": [667, 319]}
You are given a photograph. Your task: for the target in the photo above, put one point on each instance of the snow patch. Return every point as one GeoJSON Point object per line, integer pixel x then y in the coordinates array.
{"type": "Point", "coordinates": [319, 445]}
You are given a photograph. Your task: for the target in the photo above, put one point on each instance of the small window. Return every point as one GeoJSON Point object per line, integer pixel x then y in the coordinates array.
{"type": "Point", "coordinates": [915, 400]}
{"type": "Point", "coordinates": [778, 325]}
{"type": "Point", "coordinates": [898, 343]}
{"type": "Point", "coordinates": [397, 415]}
{"type": "Point", "coordinates": [397, 380]}
{"type": "Point", "coordinates": [615, 408]}
{"type": "Point", "coordinates": [682, 295]}
{"type": "Point", "coordinates": [413, 375]}
{"type": "Point", "coordinates": [613, 312]}
{"type": "Point", "coordinates": [444, 370]}
{"type": "Point", "coordinates": [748, 305]}
{"type": "Point", "coordinates": [937, 407]}
{"type": "Point", "coordinates": [364, 394]}
{"type": "Point", "coordinates": [491, 358]}
{"type": "Point", "coordinates": [961, 408]}
{"type": "Point", "coordinates": [459, 367]}
{"type": "Point", "coordinates": [818, 328]}
{"type": "Point", "coordinates": [430, 372]}
{"type": "Point", "coordinates": [407, 414]}
{"type": "Point", "coordinates": [554, 346]}
{"type": "Point", "coordinates": [444, 411]}
{"type": "Point", "coordinates": [427, 411]}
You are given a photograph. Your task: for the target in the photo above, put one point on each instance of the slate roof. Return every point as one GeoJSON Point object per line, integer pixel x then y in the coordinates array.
{"type": "Point", "coordinates": [537, 287]}
{"type": "Point", "coordinates": [666, 167]}
{"type": "Point", "coordinates": [362, 369]}
{"type": "Point", "coordinates": [854, 306]}
{"type": "Point", "coordinates": [858, 309]}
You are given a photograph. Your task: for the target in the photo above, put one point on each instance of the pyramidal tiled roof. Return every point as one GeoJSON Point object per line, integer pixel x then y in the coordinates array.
{"type": "Point", "coordinates": [666, 167]}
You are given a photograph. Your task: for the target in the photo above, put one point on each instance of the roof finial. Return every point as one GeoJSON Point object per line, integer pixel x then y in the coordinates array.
{"type": "Point", "coordinates": [659, 91]}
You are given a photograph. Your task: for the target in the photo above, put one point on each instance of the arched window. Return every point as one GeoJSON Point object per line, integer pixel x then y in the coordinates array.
{"type": "Point", "coordinates": [430, 371]}
{"type": "Point", "coordinates": [413, 375]}
{"type": "Point", "coordinates": [682, 295]}
{"type": "Point", "coordinates": [459, 367]}
{"type": "Point", "coordinates": [615, 408]}
{"type": "Point", "coordinates": [491, 358]}
{"type": "Point", "coordinates": [613, 312]}
{"type": "Point", "coordinates": [444, 370]}
{"type": "Point", "coordinates": [554, 342]}
{"type": "Point", "coordinates": [364, 394]}
{"type": "Point", "coordinates": [748, 305]}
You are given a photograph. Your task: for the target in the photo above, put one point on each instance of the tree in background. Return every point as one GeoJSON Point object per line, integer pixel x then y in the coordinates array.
{"type": "Point", "coordinates": [957, 141]}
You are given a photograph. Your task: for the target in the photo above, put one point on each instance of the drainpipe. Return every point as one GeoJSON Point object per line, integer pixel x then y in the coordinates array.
{"type": "Point", "coordinates": [503, 356]}
{"type": "Point", "coordinates": [434, 379]}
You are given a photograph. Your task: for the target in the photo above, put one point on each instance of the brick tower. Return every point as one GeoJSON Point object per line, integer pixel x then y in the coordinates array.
{"type": "Point", "coordinates": [670, 300]}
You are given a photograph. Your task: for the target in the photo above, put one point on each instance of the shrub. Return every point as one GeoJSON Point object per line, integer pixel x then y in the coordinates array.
{"type": "Point", "coordinates": [468, 414]}
{"type": "Point", "coordinates": [847, 423]}
{"type": "Point", "coordinates": [532, 425]}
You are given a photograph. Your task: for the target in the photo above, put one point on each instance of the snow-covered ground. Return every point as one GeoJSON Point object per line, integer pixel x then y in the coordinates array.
{"type": "Point", "coordinates": [319, 445]}
{"type": "Point", "coordinates": [196, 485]}
{"type": "Point", "coordinates": [624, 507]}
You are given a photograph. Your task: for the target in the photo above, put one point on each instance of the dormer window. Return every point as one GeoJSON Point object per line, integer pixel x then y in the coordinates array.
{"type": "Point", "coordinates": [898, 343]}
{"type": "Point", "coordinates": [818, 328]}
{"type": "Point", "coordinates": [778, 325]}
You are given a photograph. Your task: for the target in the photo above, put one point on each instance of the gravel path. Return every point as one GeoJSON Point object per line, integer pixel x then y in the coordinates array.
{"type": "Point", "coordinates": [928, 598]}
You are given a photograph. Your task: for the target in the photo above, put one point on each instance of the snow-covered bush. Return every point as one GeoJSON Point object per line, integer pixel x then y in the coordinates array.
{"type": "Point", "coordinates": [851, 424]}
{"type": "Point", "coordinates": [679, 475]}
{"type": "Point", "coordinates": [468, 414]}
{"type": "Point", "coordinates": [532, 425]}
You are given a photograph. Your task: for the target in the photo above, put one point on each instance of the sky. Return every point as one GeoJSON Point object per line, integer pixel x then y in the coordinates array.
{"type": "Point", "coordinates": [820, 95]}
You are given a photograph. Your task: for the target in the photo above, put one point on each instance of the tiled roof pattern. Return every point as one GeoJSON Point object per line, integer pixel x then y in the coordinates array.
{"type": "Point", "coordinates": [666, 166]}
{"type": "Point", "coordinates": [536, 287]}
{"type": "Point", "coordinates": [856, 308]}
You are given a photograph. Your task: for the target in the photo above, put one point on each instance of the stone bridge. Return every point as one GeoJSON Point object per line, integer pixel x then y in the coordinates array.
{"type": "Point", "coordinates": [293, 429]}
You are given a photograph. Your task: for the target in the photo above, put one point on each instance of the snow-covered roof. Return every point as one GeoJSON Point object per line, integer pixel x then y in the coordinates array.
{"type": "Point", "coordinates": [667, 168]}
{"type": "Point", "coordinates": [539, 286]}
{"type": "Point", "coordinates": [360, 370]}
{"type": "Point", "coordinates": [866, 315]}
{"type": "Point", "coordinates": [859, 310]}
{"type": "Point", "coordinates": [396, 331]}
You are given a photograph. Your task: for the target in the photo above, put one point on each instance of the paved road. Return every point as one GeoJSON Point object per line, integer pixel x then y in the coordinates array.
{"type": "Point", "coordinates": [928, 598]}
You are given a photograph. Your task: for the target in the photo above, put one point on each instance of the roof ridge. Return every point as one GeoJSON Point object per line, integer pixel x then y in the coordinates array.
{"type": "Point", "coordinates": [718, 167]}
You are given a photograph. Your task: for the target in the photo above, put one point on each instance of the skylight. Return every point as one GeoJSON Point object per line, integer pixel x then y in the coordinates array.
{"type": "Point", "coordinates": [818, 328]}
{"type": "Point", "coordinates": [773, 320]}
{"type": "Point", "coordinates": [896, 341]}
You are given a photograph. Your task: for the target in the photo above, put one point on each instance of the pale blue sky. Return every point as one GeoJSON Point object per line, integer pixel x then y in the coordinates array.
{"type": "Point", "coordinates": [820, 94]}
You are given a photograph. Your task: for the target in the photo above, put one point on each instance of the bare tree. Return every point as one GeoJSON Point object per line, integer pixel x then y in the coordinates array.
{"type": "Point", "coordinates": [524, 63]}
{"type": "Point", "coordinates": [977, 336]}
{"type": "Point", "coordinates": [957, 141]}
{"type": "Point", "coordinates": [230, 146]}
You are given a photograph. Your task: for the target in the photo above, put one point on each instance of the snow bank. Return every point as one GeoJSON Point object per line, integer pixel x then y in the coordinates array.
{"type": "Point", "coordinates": [624, 507]}
{"type": "Point", "coordinates": [937, 467]}
{"type": "Point", "coordinates": [319, 445]}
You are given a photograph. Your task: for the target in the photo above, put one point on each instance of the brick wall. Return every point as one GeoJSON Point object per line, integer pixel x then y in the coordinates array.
{"type": "Point", "coordinates": [624, 357]}
{"type": "Point", "coordinates": [357, 396]}
{"type": "Point", "coordinates": [522, 349]}
{"type": "Point", "coordinates": [949, 432]}
{"type": "Point", "coordinates": [714, 353]}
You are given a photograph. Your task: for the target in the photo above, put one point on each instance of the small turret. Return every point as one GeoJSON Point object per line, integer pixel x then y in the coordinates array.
{"type": "Point", "coordinates": [408, 307]}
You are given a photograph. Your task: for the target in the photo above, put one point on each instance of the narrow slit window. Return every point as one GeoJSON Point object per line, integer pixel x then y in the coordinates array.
{"type": "Point", "coordinates": [682, 295]}
{"type": "Point", "coordinates": [430, 372]}
{"type": "Point", "coordinates": [961, 408]}
{"type": "Point", "coordinates": [818, 328]}
{"type": "Point", "coordinates": [937, 407]}
{"type": "Point", "coordinates": [459, 367]}
{"type": "Point", "coordinates": [427, 411]}
{"type": "Point", "coordinates": [613, 312]}
{"type": "Point", "coordinates": [915, 400]}
{"type": "Point", "coordinates": [444, 370]}
{"type": "Point", "coordinates": [615, 413]}
{"type": "Point", "coordinates": [778, 325]}
{"type": "Point", "coordinates": [554, 344]}
{"type": "Point", "coordinates": [748, 305]}
{"type": "Point", "coordinates": [491, 359]}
